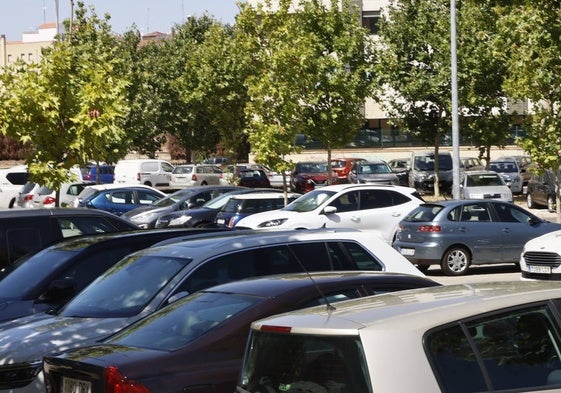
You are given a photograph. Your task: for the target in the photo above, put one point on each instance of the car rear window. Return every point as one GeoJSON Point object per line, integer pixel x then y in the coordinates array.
{"type": "Point", "coordinates": [423, 213]}
{"type": "Point", "coordinates": [304, 363]}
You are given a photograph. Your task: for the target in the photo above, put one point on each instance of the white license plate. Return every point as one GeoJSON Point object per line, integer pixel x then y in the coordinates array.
{"type": "Point", "coordinates": [539, 269]}
{"type": "Point", "coordinates": [407, 251]}
{"type": "Point", "coordinates": [220, 221]}
{"type": "Point", "coordinates": [71, 385]}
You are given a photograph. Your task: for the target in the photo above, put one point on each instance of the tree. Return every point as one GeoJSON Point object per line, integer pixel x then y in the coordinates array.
{"type": "Point", "coordinates": [414, 72]}
{"type": "Point", "coordinates": [69, 107]}
{"type": "Point", "coordinates": [534, 72]}
{"type": "Point", "coordinates": [313, 75]}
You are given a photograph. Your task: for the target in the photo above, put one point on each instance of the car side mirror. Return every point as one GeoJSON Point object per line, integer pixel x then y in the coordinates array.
{"type": "Point", "coordinates": [329, 210]}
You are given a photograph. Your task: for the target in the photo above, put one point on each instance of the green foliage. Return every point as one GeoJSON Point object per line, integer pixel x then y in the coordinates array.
{"type": "Point", "coordinates": [70, 107]}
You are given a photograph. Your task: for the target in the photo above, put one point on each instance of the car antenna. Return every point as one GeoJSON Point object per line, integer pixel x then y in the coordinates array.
{"type": "Point", "coordinates": [328, 305]}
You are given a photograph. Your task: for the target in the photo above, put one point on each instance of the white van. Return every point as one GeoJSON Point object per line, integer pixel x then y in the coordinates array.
{"type": "Point", "coordinates": [150, 172]}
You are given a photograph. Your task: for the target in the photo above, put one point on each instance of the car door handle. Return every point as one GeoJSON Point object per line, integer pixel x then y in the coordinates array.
{"type": "Point", "coordinates": [506, 230]}
{"type": "Point", "coordinates": [462, 229]}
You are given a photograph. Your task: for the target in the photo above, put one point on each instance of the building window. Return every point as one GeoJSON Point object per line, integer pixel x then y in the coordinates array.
{"type": "Point", "coordinates": [9, 59]}
{"type": "Point", "coordinates": [30, 57]}
{"type": "Point", "coordinates": [370, 20]}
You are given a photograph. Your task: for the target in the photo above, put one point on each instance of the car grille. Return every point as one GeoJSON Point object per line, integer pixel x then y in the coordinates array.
{"type": "Point", "coordinates": [14, 376]}
{"type": "Point", "coordinates": [542, 258]}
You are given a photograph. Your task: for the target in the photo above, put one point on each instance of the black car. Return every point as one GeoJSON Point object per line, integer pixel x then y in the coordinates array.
{"type": "Point", "coordinates": [49, 278]}
{"type": "Point", "coordinates": [541, 190]}
{"type": "Point", "coordinates": [196, 344]}
{"type": "Point", "coordinates": [179, 201]}
{"type": "Point", "coordinates": [206, 214]}
{"type": "Point", "coordinates": [28, 230]}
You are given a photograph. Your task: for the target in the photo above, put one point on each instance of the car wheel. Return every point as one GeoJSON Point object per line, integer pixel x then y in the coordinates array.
{"type": "Point", "coordinates": [551, 204]}
{"type": "Point", "coordinates": [529, 201]}
{"type": "Point", "coordinates": [456, 261]}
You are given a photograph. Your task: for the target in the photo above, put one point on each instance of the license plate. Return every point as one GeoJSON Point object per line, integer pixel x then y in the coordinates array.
{"type": "Point", "coordinates": [71, 385]}
{"type": "Point", "coordinates": [407, 251]}
{"type": "Point", "coordinates": [539, 269]}
{"type": "Point", "coordinates": [220, 221]}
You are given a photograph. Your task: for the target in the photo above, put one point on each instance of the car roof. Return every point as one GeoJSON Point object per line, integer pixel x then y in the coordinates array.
{"type": "Point", "coordinates": [342, 187]}
{"type": "Point", "coordinates": [481, 172]}
{"type": "Point", "coordinates": [265, 195]}
{"type": "Point", "coordinates": [56, 212]}
{"type": "Point", "coordinates": [415, 309]}
{"type": "Point", "coordinates": [275, 285]}
{"type": "Point", "coordinates": [113, 186]}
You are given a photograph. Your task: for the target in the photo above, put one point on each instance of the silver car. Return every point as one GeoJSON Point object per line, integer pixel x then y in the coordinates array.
{"type": "Point", "coordinates": [377, 172]}
{"type": "Point", "coordinates": [484, 185]}
{"type": "Point", "coordinates": [458, 233]}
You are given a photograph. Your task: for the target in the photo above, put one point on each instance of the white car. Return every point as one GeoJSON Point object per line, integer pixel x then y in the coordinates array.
{"type": "Point", "coordinates": [12, 181]}
{"type": "Point", "coordinates": [482, 184]}
{"type": "Point", "coordinates": [360, 206]}
{"type": "Point", "coordinates": [479, 337]}
{"type": "Point", "coordinates": [190, 175]}
{"type": "Point", "coordinates": [541, 257]}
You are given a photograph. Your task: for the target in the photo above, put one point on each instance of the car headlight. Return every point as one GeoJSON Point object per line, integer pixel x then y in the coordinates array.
{"type": "Point", "coordinates": [179, 221]}
{"type": "Point", "coordinates": [143, 217]}
{"type": "Point", "coordinates": [272, 223]}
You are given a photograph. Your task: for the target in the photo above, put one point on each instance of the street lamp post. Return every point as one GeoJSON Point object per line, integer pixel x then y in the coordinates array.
{"type": "Point", "coordinates": [455, 123]}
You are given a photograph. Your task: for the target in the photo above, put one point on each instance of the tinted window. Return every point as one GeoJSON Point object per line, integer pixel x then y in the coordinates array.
{"type": "Point", "coordinates": [73, 226]}
{"type": "Point", "coordinates": [375, 199]}
{"type": "Point", "coordinates": [146, 197]}
{"type": "Point", "coordinates": [510, 213]}
{"type": "Point", "coordinates": [17, 178]}
{"type": "Point", "coordinates": [517, 349]}
{"type": "Point", "coordinates": [423, 213]}
{"type": "Point", "coordinates": [361, 258]}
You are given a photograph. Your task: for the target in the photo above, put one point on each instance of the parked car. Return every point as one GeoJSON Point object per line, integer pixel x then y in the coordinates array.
{"type": "Point", "coordinates": [342, 167]}
{"type": "Point", "coordinates": [191, 175]}
{"type": "Point", "coordinates": [541, 257]}
{"type": "Point", "coordinates": [11, 182]}
{"type": "Point", "coordinates": [26, 194]}
{"type": "Point", "coordinates": [524, 162]}
{"type": "Point", "coordinates": [149, 172]}
{"type": "Point", "coordinates": [456, 234]}
{"type": "Point", "coordinates": [206, 214]}
{"type": "Point", "coordinates": [484, 184]}
{"type": "Point", "coordinates": [422, 171]}
{"type": "Point", "coordinates": [28, 230]}
{"type": "Point", "coordinates": [510, 172]}
{"type": "Point", "coordinates": [482, 337]}
{"type": "Point", "coordinates": [243, 205]}
{"type": "Point", "coordinates": [117, 198]}
{"type": "Point", "coordinates": [106, 174]}
{"type": "Point", "coordinates": [541, 190]}
{"type": "Point", "coordinates": [45, 280]}
{"type": "Point", "coordinates": [471, 164]}
{"type": "Point", "coordinates": [214, 322]}
{"type": "Point", "coordinates": [401, 166]}
{"type": "Point", "coordinates": [46, 198]}
{"type": "Point", "coordinates": [361, 206]}
{"type": "Point", "coordinates": [376, 171]}
{"type": "Point", "coordinates": [232, 175]}
{"type": "Point", "coordinates": [181, 200]}
{"type": "Point", "coordinates": [308, 176]}
{"type": "Point", "coordinates": [254, 178]}
{"type": "Point", "coordinates": [147, 280]}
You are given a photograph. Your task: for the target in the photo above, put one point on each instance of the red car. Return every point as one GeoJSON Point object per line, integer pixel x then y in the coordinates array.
{"type": "Point", "coordinates": [342, 166]}
{"type": "Point", "coordinates": [306, 176]}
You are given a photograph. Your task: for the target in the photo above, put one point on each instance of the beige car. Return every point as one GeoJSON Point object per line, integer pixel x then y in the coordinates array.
{"type": "Point", "coordinates": [482, 337]}
{"type": "Point", "coordinates": [195, 175]}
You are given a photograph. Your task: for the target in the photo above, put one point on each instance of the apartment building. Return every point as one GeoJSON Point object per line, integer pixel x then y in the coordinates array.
{"type": "Point", "coordinates": [30, 46]}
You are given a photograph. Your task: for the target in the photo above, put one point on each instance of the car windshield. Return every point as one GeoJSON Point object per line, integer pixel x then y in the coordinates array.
{"type": "Point", "coordinates": [313, 167]}
{"type": "Point", "coordinates": [338, 164]}
{"type": "Point", "coordinates": [367, 169]}
{"type": "Point", "coordinates": [503, 166]}
{"type": "Point", "coordinates": [184, 320]}
{"type": "Point", "coordinates": [304, 363]}
{"type": "Point", "coordinates": [21, 279]}
{"type": "Point", "coordinates": [172, 199]}
{"type": "Point", "coordinates": [126, 288]}
{"type": "Point", "coordinates": [180, 170]}
{"type": "Point", "coordinates": [484, 180]}
{"type": "Point", "coordinates": [426, 163]}
{"type": "Point", "coordinates": [219, 201]}
{"type": "Point", "coordinates": [309, 201]}
{"type": "Point", "coordinates": [424, 213]}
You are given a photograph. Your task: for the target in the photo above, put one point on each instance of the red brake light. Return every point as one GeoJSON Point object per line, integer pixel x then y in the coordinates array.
{"type": "Point", "coordinates": [194, 177]}
{"type": "Point", "coordinates": [49, 200]}
{"type": "Point", "coordinates": [429, 228]}
{"type": "Point", "coordinates": [276, 329]}
{"type": "Point", "coordinates": [115, 382]}
{"type": "Point", "coordinates": [28, 198]}
{"type": "Point", "coordinates": [138, 177]}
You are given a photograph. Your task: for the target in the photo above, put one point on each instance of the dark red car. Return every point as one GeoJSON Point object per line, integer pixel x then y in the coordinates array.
{"type": "Point", "coordinates": [254, 178]}
{"type": "Point", "coordinates": [309, 175]}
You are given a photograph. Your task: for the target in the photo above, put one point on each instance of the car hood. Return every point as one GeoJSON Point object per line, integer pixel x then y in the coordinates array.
{"type": "Point", "coordinates": [30, 342]}
{"type": "Point", "coordinates": [142, 209]}
{"type": "Point", "coordinates": [549, 242]}
{"type": "Point", "coordinates": [314, 176]}
{"type": "Point", "coordinates": [292, 219]}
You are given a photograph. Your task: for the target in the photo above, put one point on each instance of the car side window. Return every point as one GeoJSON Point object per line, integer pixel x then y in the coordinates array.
{"type": "Point", "coordinates": [346, 202]}
{"type": "Point", "coordinates": [375, 199]}
{"type": "Point", "coordinates": [509, 213]}
{"type": "Point", "coordinates": [519, 349]}
{"type": "Point", "coordinates": [354, 257]}
{"type": "Point", "coordinates": [146, 198]}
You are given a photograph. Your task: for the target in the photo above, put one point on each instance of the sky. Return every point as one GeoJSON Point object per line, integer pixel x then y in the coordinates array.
{"type": "Point", "coordinates": [18, 16]}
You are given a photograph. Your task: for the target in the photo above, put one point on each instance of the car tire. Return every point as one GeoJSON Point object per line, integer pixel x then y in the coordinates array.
{"type": "Point", "coordinates": [551, 204]}
{"type": "Point", "coordinates": [456, 261]}
{"type": "Point", "coordinates": [529, 201]}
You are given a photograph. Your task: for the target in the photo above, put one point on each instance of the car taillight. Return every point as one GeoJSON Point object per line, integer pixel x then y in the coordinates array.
{"type": "Point", "coordinates": [275, 329]}
{"type": "Point", "coordinates": [115, 382]}
{"type": "Point", "coordinates": [88, 177]}
{"type": "Point", "coordinates": [194, 177]}
{"type": "Point", "coordinates": [28, 197]}
{"type": "Point", "coordinates": [49, 200]}
{"type": "Point", "coordinates": [138, 177]}
{"type": "Point", "coordinates": [429, 228]}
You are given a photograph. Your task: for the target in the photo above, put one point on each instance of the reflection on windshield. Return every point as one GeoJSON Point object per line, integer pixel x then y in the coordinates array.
{"type": "Point", "coordinates": [309, 201]}
{"type": "Point", "coordinates": [169, 200]}
{"type": "Point", "coordinates": [184, 321]}
{"type": "Point", "coordinates": [426, 163]}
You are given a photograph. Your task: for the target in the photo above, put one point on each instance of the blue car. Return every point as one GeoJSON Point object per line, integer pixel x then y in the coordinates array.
{"type": "Point", "coordinates": [106, 174]}
{"type": "Point", "coordinates": [118, 199]}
